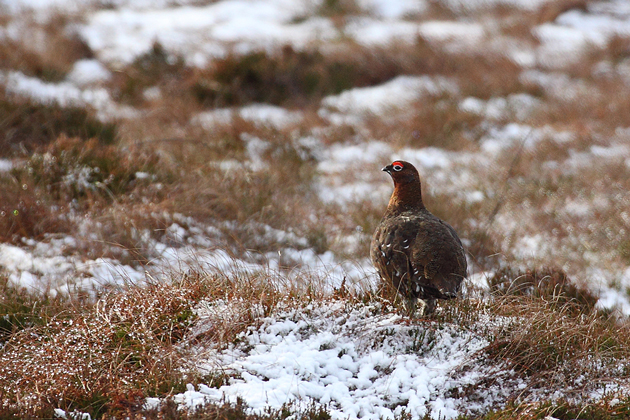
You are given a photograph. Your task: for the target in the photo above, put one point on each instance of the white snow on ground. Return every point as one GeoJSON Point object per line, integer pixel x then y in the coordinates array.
{"type": "Point", "coordinates": [393, 9]}
{"type": "Point", "coordinates": [72, 415]}
{"type": "Point", "coordinates": [259, 114]}
{"type": "Point", "coordinates": [53, 267]}
{"type": "Point", "coordinates": [65, 94]}
{"type": "Point", "coordinates": [340, 157]}
{"type": "Point", "coordinates": [517, 106]}
{"type": "Point", "coordinates": [427, 158]}
{"type": "Point", "coordinates": [463, 6]}
{"type": "Point", "coordinates": [200, 33]}
{"type": "Point", "coordinates": [602, 22]}
{"type": "Point", "coordinates": [87, 72]}
{"type": "Point", "coordinates": [344, 158]}
{"type": "Point", "coordinates": [351, 106]}
{"type": "Point", "coordinates": [43, 267]}
{"type": "Point", "coordinates": [612, 298]}
{"type": "Point", "coordinates": [360, 365]}
{"type": "Point", "coordinates": [5, 165]}
{"type": "Point", "coordinates": [562, 47]}
{"type": "Point", "coordinates": [565, 41]}
{"type": "Point", "coordinates": [41, 9]}
{"type": "Point", "coordinates": [457, 37]}
{"type": "Point", "coordinates": [373, 32]}
{"type": "Point", "coordinates": [558, 85]}
{"type": "Point", "coordinates": [521, 136]}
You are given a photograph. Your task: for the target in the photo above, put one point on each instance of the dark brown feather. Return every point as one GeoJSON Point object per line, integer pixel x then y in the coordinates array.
{"type": "Point", "coordinates": [419, 254]}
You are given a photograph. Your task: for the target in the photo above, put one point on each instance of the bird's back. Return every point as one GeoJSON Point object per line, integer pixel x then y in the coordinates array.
{"type": "Point", "coordinates": [420, 254]}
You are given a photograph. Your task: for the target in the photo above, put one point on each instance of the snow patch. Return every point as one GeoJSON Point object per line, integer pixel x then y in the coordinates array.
{"type": "Point", "coordinates": [259, 114]}
{"type": "Point", "coordinates": [455, 36]}
{"type": "Point", "coordinates": [200, 33]}
{"type": "Point", "coordinates": [372, 32]}
{"type": "Point", "coordinates": [376, 100]}
{"type": "Point", "coordinates": [499, 139]}
{"type": "Point", "coordinates": [88, 72]}
{"type": "Point", "coordinates": [65, 94]}
{"type": "Point", "coordinates": [466, 6]}
{"type": "Point", "coordinates": [360, 365]}
{"type": "Point", "coordinates": [426, 158]}
{"type": "Point", "coordinates": [517, 106]}
{"type": "Point", "coordinates": [5, 165]}
{"type": "Point", "coordinates": [393, 9]}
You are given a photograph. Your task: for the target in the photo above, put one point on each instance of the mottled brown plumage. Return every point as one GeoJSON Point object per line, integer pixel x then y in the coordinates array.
{"type": "Point", "coordinates": [416, 252]}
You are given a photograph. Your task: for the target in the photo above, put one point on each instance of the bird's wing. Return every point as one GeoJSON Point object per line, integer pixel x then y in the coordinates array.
{"type": "Point", "coordinates": [391, 252]}
{"type": "Point", "coordinates": [438, 253]}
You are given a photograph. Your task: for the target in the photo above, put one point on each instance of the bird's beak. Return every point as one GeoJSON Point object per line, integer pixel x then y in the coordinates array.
{"type": "Point", "coordinates": [388, 169]}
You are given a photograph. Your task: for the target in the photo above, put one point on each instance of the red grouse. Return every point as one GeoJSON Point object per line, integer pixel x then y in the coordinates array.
{"type": "Point", "coordinates": [419, 254]}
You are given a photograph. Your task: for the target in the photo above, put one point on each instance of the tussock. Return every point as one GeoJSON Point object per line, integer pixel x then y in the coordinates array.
{"type": "Point", "coordinates": [105, 356]}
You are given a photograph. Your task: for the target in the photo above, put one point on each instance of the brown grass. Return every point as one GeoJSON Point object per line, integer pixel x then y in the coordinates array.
{"type": "Point", "coordinates": [431, 122]}
{"type": "Point", "coordinates": [21, 309]}
{"type": "Point", "coordinates": [556, 348]}
{"type": "Point", "coordinates": [232, 411]}
{"type": "Point", "coordinates": [98, 358]}
{"type": "Point", "coordinates": [550, 284]}
{"type": "Point", "coordinates": [107, 357]}
{"type": "Point", "coordinates": [302, 78]}
{"type": "Point", "coordinates": [47, 52]}
{"type": "Point", "coordinates": [27, 127]}
{"type": "Point", "coordinates": [70, 174]}
{"type": "Point", "coordinates": [610, 408]}
{"type": "Point", "coordinates": [23, 214]}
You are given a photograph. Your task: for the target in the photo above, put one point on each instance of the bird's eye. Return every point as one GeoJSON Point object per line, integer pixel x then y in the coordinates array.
{"type": "Point", "coordinates": [397, 167]}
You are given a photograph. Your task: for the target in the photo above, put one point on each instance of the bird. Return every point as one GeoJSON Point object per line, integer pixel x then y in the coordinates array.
{"type": "Point", "coordinates": [419, 254]}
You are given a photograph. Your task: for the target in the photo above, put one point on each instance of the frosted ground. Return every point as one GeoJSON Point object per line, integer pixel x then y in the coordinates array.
{"type": "Point", "coordinates": [334, 362]}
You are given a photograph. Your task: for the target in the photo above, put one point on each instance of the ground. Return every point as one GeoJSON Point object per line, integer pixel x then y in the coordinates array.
{"type": "Point", "coordinates": [188, 191]}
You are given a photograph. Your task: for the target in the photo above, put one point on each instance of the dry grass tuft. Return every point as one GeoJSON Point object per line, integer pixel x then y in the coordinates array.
{"type": "Point", "coordinates": [555, 347]}
{"type": "Point", "coordinates": [274, 188]}
{"type": "Point", "coordinates": [610, 408]}
{"type": "Point", "coordinates": [100, 358]}
{"type": "Point", "coordinates": [549, 284]}
{"type": "Point", "coordinates": [156, 68]}
{"type": "Point", "coordinates": [432, 122]}
{"type": "Point", "coordinates": [289, 78]}
{"type": "Point", "coordinates": [70, 174]}
{"type": "Point", "coordinates": [20, 309]}
{"type": "Point", "coordinates": [46, 51]}
{"type": "Point", "coordinates": [72, 169]}
{"type": "Point", "coordinates": [25, 127]}
{"type": "Point", "coordinates": [234, 411]}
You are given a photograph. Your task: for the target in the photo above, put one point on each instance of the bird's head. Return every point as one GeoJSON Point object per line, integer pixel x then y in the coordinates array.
{"type": "Point", "coordinates": [407, 193]}
{"type": "Point", "coordinates": [402, 172]}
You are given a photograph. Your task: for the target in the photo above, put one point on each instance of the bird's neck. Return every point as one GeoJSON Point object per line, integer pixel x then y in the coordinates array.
{"type": "Point", "coordinates": [406, 196]}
